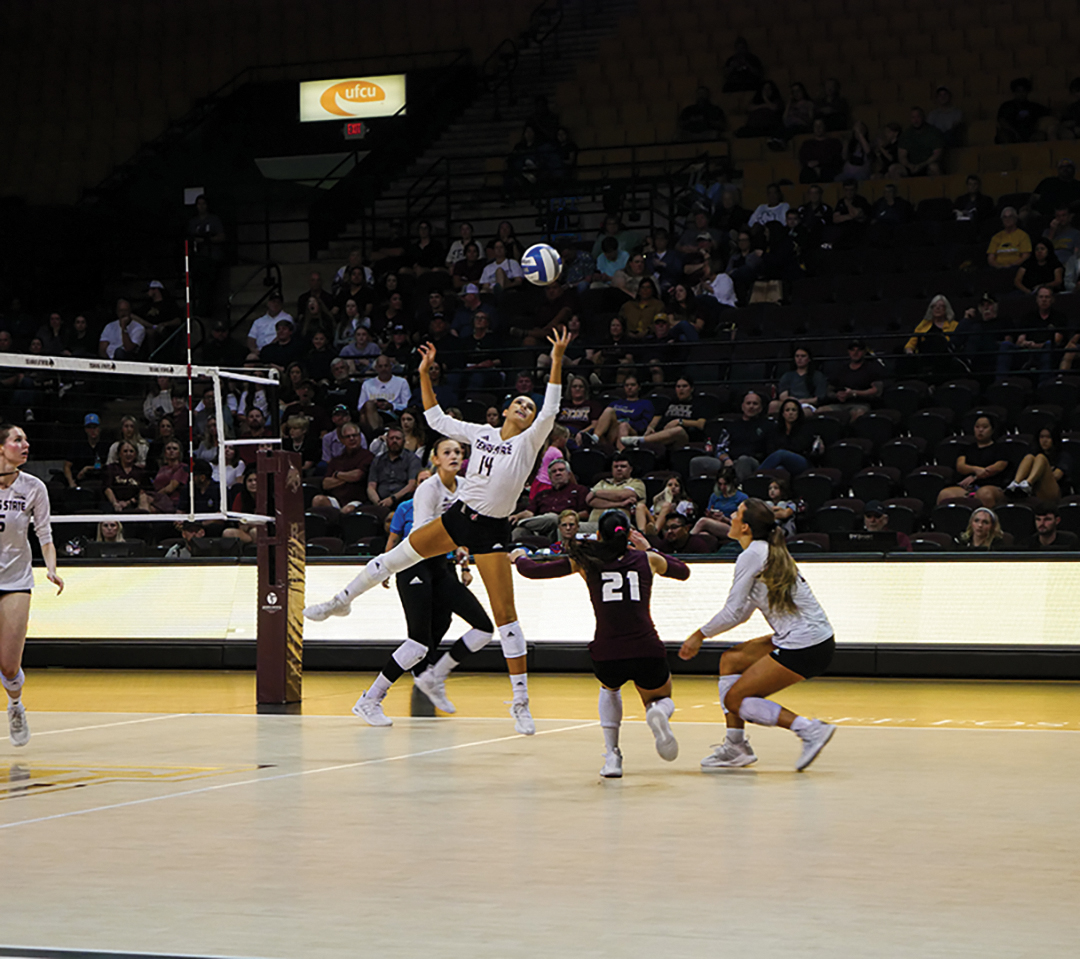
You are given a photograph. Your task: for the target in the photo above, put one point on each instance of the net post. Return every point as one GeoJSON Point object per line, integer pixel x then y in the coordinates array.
{"type": "Point", "coordinates": [281, 560]}
{"type": "Point", "coordinates": [190, 404]}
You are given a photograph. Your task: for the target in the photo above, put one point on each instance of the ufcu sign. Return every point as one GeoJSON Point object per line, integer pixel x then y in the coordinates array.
{"type": "Point", "coordinates": [352, 97]}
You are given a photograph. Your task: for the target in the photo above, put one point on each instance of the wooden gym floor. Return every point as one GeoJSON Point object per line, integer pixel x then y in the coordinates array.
{"type": "Point", "coordinates": [154, 813]}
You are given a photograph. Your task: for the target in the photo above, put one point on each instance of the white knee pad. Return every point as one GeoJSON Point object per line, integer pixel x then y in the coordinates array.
{"type": "Point", "coordinates": [476, 639]}
{"type": "Point", "coordinates": [512, 639]}
{"type": "Point", "coordinates": [763, 712]}
{"type": "Point", "coordinates": [14, 684]}
{"type": "Point", "coordinates": [725, 683]}
{"type": "Point", "coordinates": [409, 653]}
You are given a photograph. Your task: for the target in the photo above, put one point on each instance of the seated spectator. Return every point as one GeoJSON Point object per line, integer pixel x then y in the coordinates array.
{"type": "Point", "coordinates": [344, 484]}
{"type": "Point", "coordinates": [889, 212]}
{"type": "Point", "coordinates": [625, 417]}
{"type": "Point", "coordinates": [931, 338]}
{"type": "Point", "coordinates": [983, 467]}
{"type": "Point", "coordinates": [1048, 538]}
{"type": "Point", "coordinates": [286, 348]}
{"type": "Point", "coordinates": [741, 445]}
{"type": "Point", "coordinates": [471, 303]}
{"type": "Point", "coordinates": [1054, 192]}
{"type": "Point", "coordinates": [611, 261]}
{"type": "Point", "coordinates": [129, 432]}
{"type": "Point", "coordinates": [219, 348]}
{"type": "Point", "coordinates": [315, 318]}
{"type": "Point", "coordinates": [315, 288]}
{"type": "Point", "coordinates": [1018, 118]}
{"type": "Point", "coordinates": [382, 395]}
{"type": "Point", "coordinates": [920, 147]}
{"type": "Point", "coordinates": [946, 118]}
{"type": "Point", "coordinates": [478, 358]}
{"type": "Point", "coordinates": [612, 360]}
{"type": "Point", "coordinates": [80, 341]}
{"type": "Point", "coordinates": [333, 442]}
{"type": "Point", "coordinates": [354, 259]}
{"type": "Point", "coordinates": [789, 443]}
{"type": "Point", "coordinates": [569, 529]}
{"type": "Point", "coordinates": [435, 307]}
{"type": "Point", "coordinates": [978, 334]}
{"type": "Point", "coordinates": [849, 219]}
{"type": "Point", "coordinates": [857, 154]}
{"type": "Point", "coordinates": [301, 438]}
{"type": "Point", "coordinates": [254, 427]}
{"type": "Point", "coordinates": [805, 383]}
{"type": "Point", "coordinates": [622, 492]}
{"type": "Point", "coordinates": [821, 156]}
{"type": "Point", "coordinates": [165, 432]}
{"type": "Point", "coordinates": [1042, 474]}
{"type": "Point", "coordinates": [578, 267]}
{"type": "Point", "coordinates": [876, 520]}
{"type": "Point", "coordinates": [766, 115]}
{"type": "Point", "coordinates": [723, 502]}
{"type": "Point", "coordinates": [703, 119]}
{"type": "Point", "coordinates": [524, 385]}
{"type": "Point", "coordinates": [171, 482]}
{"type": "Point", "coordinates": [263, 330]}
{"type": "Point", "coordinates": [815, 213]}
{"type": "Point", "coordinates": [122, 339]}
{"type": "Point", "coordinates": [638, 314]}
{"type": "Point", "coordinates": [629, 278]}
{"type": "Point", "coordinates": [556, 449]}
{"type": "Point", "coordinates": [110, 531]}
{"type": "Point", "coordinates": [445, 393]}
{"type": "Point", "coordinates": [856, 384]}
{"type": "Point", "coordinates": [627, 239]}
{"type": "Point", "coordinates": [887, 151]}
{"type": "Point", "coordinates": [783, 506]}
{"type": "Point", "coordinates": [799, 113]}
{"type": "Point", "coordinates": [126, 484]}
{"type": "Point", "coordinates": [400, 350]}
{"type": "Point", "coordinates": [245, 501]}
{"type": "Point", "coordinates": [671, 500]}
{"type": "Point", "coordinates": [974, 204]}
{"type": "Point", "coordinates": [502, 273]}
{"type": "Point", "coordinates": [1063, 236]}
{"type": "Point", "coordinates": [469, 270]}
{"type": "Point", "coordinates": [427, 254]}
{"type": "Point", "coordinates": [773, 209]}
{"type": "Point", "coordinates": [54, 335]}
{"type": "Point", "coordinates": [663, 264]}
{"type": "Point", "coordinates": [681, 420]}
{"type": "Point", "coordinates": [1010, 246]}
{"type": "Point", "coordinates": [1069, 129]}
{"type": "Point", "coordinates": [1041, 269]}
{"type": "Point", "coordinates": [546, 505]}
{"type": "Point", "coordinates": [393, 474]}
{"type": "Point", "coordinates": [729, 217]}
{"type": "Point", "coordinates": [742, 70]}
{"type": "Point", "coordinates": [677, 537]}
{"type": "Point", "coordinates": [984, 532]}
{"type": "Point", "coordinates": [554, 312]}
{"type": "Point", "coordinates": [504, 233]}
{"type": "Point", "coordinates": [413, 429]}
{"type": "Point", "coordinates": [1031, 342]}
{"type": "Point", "coordinates": [349, 320]}
{"type": "Point", "coordinates": [578, 412]}
{"type": "Point", "coordinates": [833, 108]}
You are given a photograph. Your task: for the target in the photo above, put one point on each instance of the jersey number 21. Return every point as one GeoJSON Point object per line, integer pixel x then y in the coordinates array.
{"type": "Point", "coordinates": [613, 587]}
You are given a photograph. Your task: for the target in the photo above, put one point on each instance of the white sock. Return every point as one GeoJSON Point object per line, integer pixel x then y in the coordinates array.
{"type": "Point", "coordinates": [800, 723]}
{"type": "Point", "coordinates": [519, 683]}
{"type": "Point", "coordinates": [397, 560]}
{"type": "Point", "coordinates": [665, 705]}
{"type": "Point", "coordinates": [446, 665]}
{"type": "Point", "coordinates": [725, 683]}
{"type": "Point", "coordinates": [736, 735]}
{"type": "Point", "coordinates": [379, 688]}
{"type": "Point", "coordinates": [610, 708]}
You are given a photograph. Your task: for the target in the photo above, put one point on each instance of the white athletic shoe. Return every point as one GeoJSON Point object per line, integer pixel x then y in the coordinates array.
{"type": "Point", "coordinates": [435, 689]}
{"type": "Point", "coordinates": [19, 728]}
{"type": "Point", "coordinates": [631, 441]}
{"type": "Point", "coordinates": [666, 744]}
{"type": "Point", "coordinates": [729, 754]}
{"type": "Point", "coordinates": [1024, 488]}
{"type": "Point", "coordinates": [338, 605]}
{"type": "Point", "coordinates": [814, 738]}
{"type": "Point", "coordinates": [612, 765]}
{"type": "Point", "coordinates": [523, 721]}
{"type": "Point", "coordinates": [371, 712]}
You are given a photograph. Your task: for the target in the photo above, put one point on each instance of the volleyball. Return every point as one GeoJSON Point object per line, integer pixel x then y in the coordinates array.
{"type": "Point", "coordinates": [541, 264]}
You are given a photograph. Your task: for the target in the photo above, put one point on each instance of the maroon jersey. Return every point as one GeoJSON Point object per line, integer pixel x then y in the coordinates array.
{"type": "Point", "coordinates": [620, 595]}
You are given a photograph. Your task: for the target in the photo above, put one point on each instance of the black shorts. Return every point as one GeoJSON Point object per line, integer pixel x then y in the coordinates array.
{"type": "Point", "coordinates": [478, 533]}
{"type": "Point", "coordinates": [808, 662]}
{"type": "Point", "coordinates": [9, 592]}
{"type": "Point", "coordinates": [648, 672]}
{"type": "Point", "coordinates": [431, 594]}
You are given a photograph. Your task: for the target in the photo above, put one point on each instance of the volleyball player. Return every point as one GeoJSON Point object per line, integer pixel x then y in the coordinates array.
{"type": "Point", "coordinates": [22, 498]}
{"type": "Point", "coordinates": [625, 646]}
{"type": "Point", "coordinates": [430, 594]}
{"type": "Point", "coordinates": [800, 647]}
{"type": "Point", "coordinates": [499, 465]}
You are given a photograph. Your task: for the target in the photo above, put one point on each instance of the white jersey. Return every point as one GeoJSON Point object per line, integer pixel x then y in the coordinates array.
{"type": "Point", "coordinates": [498, 468]}
{"type": "Point", "coordinates": [807, 626]}
{"type": "Point", "coordinates": [431, 500]}
{"type": "Point", "coordinates": [25, 500]}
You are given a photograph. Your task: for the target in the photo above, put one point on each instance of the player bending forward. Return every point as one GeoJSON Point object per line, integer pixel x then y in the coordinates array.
{"type": "Point", "coordinates": [22, 498]}
{"type": "Point", "coordinates": [801, 646]}
{"type": "Point", "coordinates": [499, 465]}
{"type": "Point", "coordinates": [625, 645]}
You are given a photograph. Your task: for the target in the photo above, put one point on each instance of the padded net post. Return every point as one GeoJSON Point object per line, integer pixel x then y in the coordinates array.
{"type": "Point", "coordinates": [281, 557]}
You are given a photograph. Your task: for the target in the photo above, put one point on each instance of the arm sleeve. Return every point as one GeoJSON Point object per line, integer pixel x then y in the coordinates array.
{"type": "Point", "coordinates": [545, 419]}
{"type": "Point", "coordinates": [546, 569]}
{"type": "Point", "coordinates": [676, 568]}
{"type": "Point", "coordinates": [738, 607]}
{"type": "Point", "coordinates": [448, 426]}
{"type": "Point", "coordinates": [42, 516]}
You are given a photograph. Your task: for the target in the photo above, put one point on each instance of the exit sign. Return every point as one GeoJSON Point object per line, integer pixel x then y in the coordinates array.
{"type": "Point", "coordinates": [355, 130]}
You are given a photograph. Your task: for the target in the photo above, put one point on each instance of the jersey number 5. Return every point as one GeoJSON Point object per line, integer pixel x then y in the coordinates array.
{"type": "Point", "coordinates": [613, 587]}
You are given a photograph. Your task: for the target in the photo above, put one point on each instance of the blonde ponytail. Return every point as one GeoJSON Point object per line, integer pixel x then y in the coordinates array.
{"type": "Point", "coordinates": [780, 572]}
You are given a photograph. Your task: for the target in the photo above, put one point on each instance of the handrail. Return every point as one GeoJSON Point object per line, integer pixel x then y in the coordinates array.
{"type": "Point", "coordinates": [272, 282]}
{"type": "Point", "coordinates": [182, 328]}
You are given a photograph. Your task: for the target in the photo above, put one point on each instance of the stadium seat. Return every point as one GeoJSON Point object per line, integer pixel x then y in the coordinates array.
{"type": "Point", "coordinates": [903, 516]}
{"type": "Point", "coordinates": [1018, 520]}
{"type": "Point", "coordinates": [1070, 517]}
{"type": "Point", "coordinates": [641, 460]}
{"type": "Point", "coordinates": [332, 545]}
{"type": "Point", "coordinates": [357, 526]}
{"type": "Point", "coordinates": [1063, 391]}
{"type": "Point", "coordinates": [878, 426]}
{"type": "Point", "coordinates": [951, 448]}
{"type": "Point", "coordinates": [904, 453]}
{"type": "Point", "coordinates": [932, 543]}
{"type": "Point", "coordinates": [933, 425]}
{"type": "Point", "coordinates": [815, 486]}
{"type": "Point", "coordinates": [808, 543]}
{"type": "Point", "coordinates": [699, 489]}
{"type": "Point", "coordinates": [950, 518]}
{"type": "Point", "coordinates": [314, 526]}
{"type": "Point", "coordinates": [848, 456]}
{"type": "Point", "coordinates": [586, 464]}
{"type": "Point", "coordinates": [876, 482]}
{"type": "Point", "coordinates": [957, 395]}
{"type": "Point", "coordinates": [1012, 394]}
{"type": "Point", "coordinates": [905, 398]}
{"type": "Point", "coordinates": [829, 426]}
{"type": "Point", "coordinates": [1031, 419]}
{"type": "Point", "coordinates": [833, 519]}
{"type": "Point", "coordinates": [926, 482]}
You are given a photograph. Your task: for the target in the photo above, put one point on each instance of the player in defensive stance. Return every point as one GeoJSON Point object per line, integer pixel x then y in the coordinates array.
{"type": "Point", "coordinates": [801, 646]}
{"type": "Point", "coordinates": [22, 498]}
{"type": "Point", "coordinates": [430, 594]}
{"type": "Point", "coordinates": [625, 645]}
{"type": "Point", "coordinates": [499, 465]}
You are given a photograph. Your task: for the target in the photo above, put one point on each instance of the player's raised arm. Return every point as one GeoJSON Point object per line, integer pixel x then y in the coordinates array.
{"type": "Point", "coordinates": [559, 341]}
{"type": "Point", "coordinates": [427, 391]}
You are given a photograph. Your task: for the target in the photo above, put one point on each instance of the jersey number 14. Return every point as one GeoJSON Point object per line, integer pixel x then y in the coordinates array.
{"type": "Point", "coordinates": [613, 587]}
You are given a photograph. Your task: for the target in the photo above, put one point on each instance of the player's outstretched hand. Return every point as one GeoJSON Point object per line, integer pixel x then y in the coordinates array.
{"type": "Point", "coordinates": [57, 581]}
{"type": "Point", "coordinates": [427, 356]}
{"type": "Point", "coordinates": [692, 646]}
{"type": "Point", "coordinates": [638, 541]}
{"type": "Point", "coordinates": [559, 342]}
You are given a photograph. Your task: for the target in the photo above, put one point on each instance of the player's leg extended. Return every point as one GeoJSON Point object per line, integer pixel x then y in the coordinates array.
{"type": "Point", "coordinates": [14, 617]}
{"type": "Point", "coordinates": [735, 749]}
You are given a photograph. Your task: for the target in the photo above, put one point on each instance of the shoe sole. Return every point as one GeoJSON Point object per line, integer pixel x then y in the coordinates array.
{"type": "Point", "coordinates": [738, 764]}
{"type": "Point", "coordinates": [805, 763]}
{"type": "Point", "coordinates": [666, 744]}
{"type": "Point", "coordinates": [617, 775]}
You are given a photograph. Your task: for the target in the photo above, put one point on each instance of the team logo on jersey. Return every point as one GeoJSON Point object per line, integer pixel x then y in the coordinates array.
{"type": "Point", "coordinates": [416, 581]}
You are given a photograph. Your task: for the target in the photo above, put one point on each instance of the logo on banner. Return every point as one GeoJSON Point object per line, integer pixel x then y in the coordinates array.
{"type": "Point", "coordinates": [348, 98]}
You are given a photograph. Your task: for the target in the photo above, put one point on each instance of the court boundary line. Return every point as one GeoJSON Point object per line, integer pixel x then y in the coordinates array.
{"type": "Point", "coordinates": [48, 952]}
{"type": "Point", "coordinates": [281, 776]}
{"type": "Point", "coordinates": [123, 722]}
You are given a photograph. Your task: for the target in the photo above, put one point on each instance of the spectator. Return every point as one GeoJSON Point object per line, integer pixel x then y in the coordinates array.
{"type": "Point", "coordinates": [697, 231]}
{"type": "Point", "coordinates": [723, 503]}
{"type": "Point", "coordinates": [554, 312]}
{"type": "Point", "coordinates": [547, 506]}
{"type": "Point", "coordinates": [126, 483]}
{"type": "Point", "coordinates": [314, 289]}
{"type": "Point", "coordinates": [471, 303]}
{"type": "Point", "coordinates": [502, 273]}
{"type": "Point", "coordinates": [524, 385]}
{"type": "Point", "coordinates": [53, 335]}
{"type": "Point", "coordinates": [931, 340]}
{"type": "Point", "coordinates": [1047, 536]}
{"type": "Point", "coordinates": [129, 432]}
{"type": "Point", "coordinates": [783, 506]}
{"type": "Point", "coordinates": [974, 204]}
{"type": "Point", "coordinates": [456, 253]}
{"type": "Point", "coordinates": [110, 531]}
{"type": "Point", "coordinates": [385, 318]}
{"type": "Point", "coordinates": [255, 428]}
{"type": "Point", "coordinates": [680, 421]}
{"type": "Point", "coordinates": [245, 501]}
{"type": "Point", "coordinates": [434, 308]}
{"type": "Point", "coordinates": [170, 481]}
{"type": "Point", "coordinates": [556, 450]}
{"type": "Point", "coordinates": [849, 219]}
{"type": "Point", "coordinates": [1031, 344]}
{"type": "Point", "coordinates": [821, 156]}
{"type": "Point", "coordinates": [741, 445]}
{"type": "Point", "coordinates": [1018, 118]}
{"type": "Point", "coordinates": [857, 154]}
{"type": "Point", "coordinates": [627, 239]}
{"type": "Point", "coordinates": [264, 329]}
{"type": "Point", "coordinates": [703, 119]}
{"type": "Point", "coordinates": [362, 351]}
{"type": "Point", "coordinates": [730, 217]}
{"type": "Point", "coordinates": [1011, 246]}
{"type": "Point", "coordinates": [805, 383]}
{"type": "Point", "coordinates": [625, 417]}
{"type": "Point", "coordinates": [742, 70]}
{"type": "Point", "coordinates": [579, 412]}
{"type": "Point", "coordinates": [165, 432]}
{"type": "Point", "coordinates": [286, 349]}
{"type": "Point", "coordinates": [638, 314]}
{"type": "Point", "coordinates": [319, 357]}
{"type": "Point", "coordinates": [569, 527]}
{"type": "Point", "coordinates": [983, 467]}
{"type": "Point", "coordinates": [1041, 269]}
{"type": "Point", "coordinates": [815, 213]}
{"type": "Point", "coordinates": [627, 279]}
{"type": "Point", "coordinates": [382, 394]}
{"type": "Point", "coordinates": [983, 531]}
{"type": "Point", "coordinates": [1055, 192]}
{"type": "Point", "coordinates": [206, 235]}
{"type": "Point", "coordinates": [469, 270]}
{"type": "Point", "coordinates": [887, 151]}
{"type": "Point", "coordinates": [677, 537]}
{"type": "Point", "coordinates": [578, 267]}
{"type": "Point", "coordinates": [671, 500]}
{"type": "Point", "coordinates": [921, 147]}
{"type": "Point", "coordinates": [479, 355]}
{"type": "Point", "coordinates": [833, 108]}
{"type": "Point", "coordinates": [889, 212]}
{"type": "Point", "coordinates": [876, 520]}
{"type": "Point", "coordinates": [86, 458]}
{"type": "Point", "coordinates": [355, 259]}
{"type": "Point", "coordinates": [301, 437]}
{"type": "Point", "coordinates": [333, 441]}
{"type": "Point", "coordinates": [664, 265]}
{"type": "Point", "coordinates": [346, 471]}
{"type": "Point", "coordinates": [978, 333]}
{"type": "Point", "coordinates": [316, 318]}
{"type": "Point", "coordinates": [610, 261]}
{"type": "Point", "coordinates": [427, 254]}
{"type": "Point", "coordinates": [356, 287]}
{"type": "Point", "coordinates": [1064, 237]}
{"type": "Point", "coordinates": [393, 474]}
{"type": "Point", "coordinates": [766, 115]}
{"type": "Point", "coordinates": [220, 349]}
{"type": "Point", "coordinates": [122, 339]}
{"type": "Point", "coordinates": [1070, 119]}
{"type": "Point", "coordinates": [1042, 474]}
{"type": "Point", "coordinates": [799, 113]}
{"type": "Point", "coordinates": [773, 209]}
{"type": "Point", "coordinates": [789, 443]}
{"type": "Point", "coordinates": [157, 402]}
{"type": "Point", "coordinates": [856, 384]}
{"type": "Point", "coordinates": [946, 118]}
{"type": "Point", "coordinates": [159, 314]}
{"type": "Point", "coordinates": [622, 492]}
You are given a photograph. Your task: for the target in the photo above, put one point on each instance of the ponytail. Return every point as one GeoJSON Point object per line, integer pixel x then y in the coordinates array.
{"type": "Point", "coordinates": [614, 532]}
{"type": "Point", "coordinates": [780, 573]}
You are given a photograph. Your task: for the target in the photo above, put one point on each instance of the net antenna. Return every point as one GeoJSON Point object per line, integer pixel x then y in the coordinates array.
{"type": "Point", "coordinates": [265, 378]}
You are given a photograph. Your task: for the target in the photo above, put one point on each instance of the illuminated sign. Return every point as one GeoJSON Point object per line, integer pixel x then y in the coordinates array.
{"type": "Point", "coordinates": [352, 98]}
